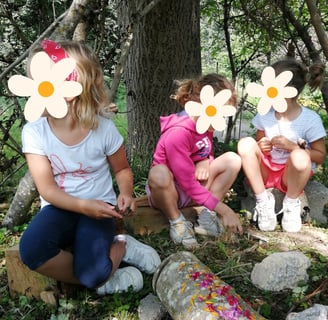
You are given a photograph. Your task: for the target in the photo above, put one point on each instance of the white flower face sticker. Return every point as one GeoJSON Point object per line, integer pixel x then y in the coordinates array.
{"type": "Point", "coordinates": [47, 88]}
{"type": "Point", "coordinates": [273, 92]}
{"type": "Point", "coordinates": [212, 109]}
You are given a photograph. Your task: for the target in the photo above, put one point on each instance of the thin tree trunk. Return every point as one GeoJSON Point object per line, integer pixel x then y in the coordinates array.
{"type": "Point", "coordinates": [18, 212]}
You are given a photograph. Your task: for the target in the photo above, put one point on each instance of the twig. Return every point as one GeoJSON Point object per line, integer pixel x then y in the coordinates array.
{"type": "Point", "coordinates": [323, 287]}
{"type": "Point", "coordinates": [24, 55]}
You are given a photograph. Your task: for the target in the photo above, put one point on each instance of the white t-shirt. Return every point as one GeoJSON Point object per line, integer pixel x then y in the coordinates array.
{"type": "Point", "coordinates": [82, 170]}
{"type": "Point", "coordinates": [307, 125]}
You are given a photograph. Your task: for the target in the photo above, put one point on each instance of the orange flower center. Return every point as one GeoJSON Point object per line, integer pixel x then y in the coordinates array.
{"type": "Point", "coordinates": [210, 111]}
{"type": "Point", "coordinates": [272, 92]}
{"type": "Point", "coordinates": [46, 89]}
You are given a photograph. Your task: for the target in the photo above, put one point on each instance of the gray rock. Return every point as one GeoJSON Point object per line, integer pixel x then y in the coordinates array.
{"type": "Point", "coordinates": [317, 312]}
{"type": "Point", "coordinates": [282, 270]}
{"type": "Point", "coordinates": [151, 308]}
{"type": "Point", "coordinates": [317, 195]}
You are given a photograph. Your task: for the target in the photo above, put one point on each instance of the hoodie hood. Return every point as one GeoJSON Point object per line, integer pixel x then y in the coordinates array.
{"type": "Point", "coordinates": [177, 120]}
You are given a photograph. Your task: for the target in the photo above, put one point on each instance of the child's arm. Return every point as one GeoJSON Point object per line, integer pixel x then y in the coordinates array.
{"type": "Point", "coordinates": [230, 219]}
{"type": "Point", "coordinates": [42, 174]}
{"type": "Point", "coordinates": [124, 179]}
{"type": "Point", "coordinates": [317, 151]}
{"type": "Point", "coordinates": [263, 142]}
{"type": "Point", "coordinates": [202, 170]}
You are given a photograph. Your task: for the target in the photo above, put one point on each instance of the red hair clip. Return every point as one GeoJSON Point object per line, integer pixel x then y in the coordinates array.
{"type": "Point", "coordinates": [57, 53]}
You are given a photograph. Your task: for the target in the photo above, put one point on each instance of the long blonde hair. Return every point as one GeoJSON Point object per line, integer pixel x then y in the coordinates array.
{"type": "Point", "coordinates": [94, 98]}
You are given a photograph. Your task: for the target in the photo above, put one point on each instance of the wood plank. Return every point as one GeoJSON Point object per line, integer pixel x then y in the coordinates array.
{"type": "Point", "coordinates": [148, 220]}
{"type": "Point", "coordinates": [23, 280]}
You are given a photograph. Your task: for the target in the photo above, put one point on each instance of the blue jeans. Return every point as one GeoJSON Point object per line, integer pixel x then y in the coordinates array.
{"type": "Point", "coordinates": [54, 229]}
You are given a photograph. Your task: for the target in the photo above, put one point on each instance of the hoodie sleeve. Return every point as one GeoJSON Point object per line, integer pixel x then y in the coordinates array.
{"type": "Point", "coordinates": [178, 146]}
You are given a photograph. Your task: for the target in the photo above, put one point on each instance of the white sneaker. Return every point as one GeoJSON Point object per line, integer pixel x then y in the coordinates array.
{"type": "Point", "coordinates": [181, 232]}
{"type": "Point", "coordinates": [291, 219]}
{"type": "Point", "coordinates": [140, 255]}
{"type": "Point", "coordinates": [208, 224]}
{"type": "Point", "coordinates": [265, 215]}
{"type": "Point", "coordinates": [122, 280]}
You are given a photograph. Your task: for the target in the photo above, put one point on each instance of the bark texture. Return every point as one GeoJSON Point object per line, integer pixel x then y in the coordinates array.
{"type": "Point", "coordinates": [165, 47]}
{"type": "Point", "coordinates": [19, 208]}
{"type": "Point", "coordinates": [189, 290]}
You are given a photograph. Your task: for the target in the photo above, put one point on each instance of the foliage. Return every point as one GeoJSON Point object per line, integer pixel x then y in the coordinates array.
{"type": "Point", "coordinates": [253, 43]}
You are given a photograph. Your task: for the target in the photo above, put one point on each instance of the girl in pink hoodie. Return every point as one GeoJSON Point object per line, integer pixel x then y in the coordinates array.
{"type": "Point", "coordinates": [184, 169]}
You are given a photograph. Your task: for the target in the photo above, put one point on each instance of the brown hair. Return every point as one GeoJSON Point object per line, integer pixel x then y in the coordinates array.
{"type": "Point", "coordinates": [190, 89]}
{"type": "Point", "coordinates": [313, 76]}
{"type": "Point", "coordinates": [94, 98]}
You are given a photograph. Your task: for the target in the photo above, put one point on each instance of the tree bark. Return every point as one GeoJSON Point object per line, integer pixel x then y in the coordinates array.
{"type": "Point", "coordinates": [318, 26]}
{"type": "Point", "coordinates": [166, 46]}
{"type": "Point", "coordinates": [18, 212]}
{"type": "Point", "coordinates": [189, 290]}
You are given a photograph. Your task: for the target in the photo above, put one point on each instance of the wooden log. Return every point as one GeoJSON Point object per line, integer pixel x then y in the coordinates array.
{"type": "Point", "coordinates": [22, 280]}
{"type": "Point", "coordinates": [189, 290]}
{"type": "Point", "coordinates": [148, 220]}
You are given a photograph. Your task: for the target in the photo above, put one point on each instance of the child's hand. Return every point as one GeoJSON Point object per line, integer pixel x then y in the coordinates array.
{"type": "Point", "coordinates": [265, 144]}
{"type": "Point", "coordinates": [229, 218]}
{"type": "Point", "coordinates": [202, 170]}
{"type": "Point", "coordinates": [126, 204]}
{"type": "Point", "coordinates": [282, 142]}
{"type": "Point", "coordinates": [98, 209]}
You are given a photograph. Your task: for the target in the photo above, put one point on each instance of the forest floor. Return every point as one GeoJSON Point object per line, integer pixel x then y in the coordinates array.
{"type": "Point", "coordinates": [230, 257]}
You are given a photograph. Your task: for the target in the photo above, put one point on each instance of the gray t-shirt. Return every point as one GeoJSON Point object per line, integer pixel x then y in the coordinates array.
{"type": "Point", "coordinates": [82, 170]}
{"type": "Point", "coordinates": [307, 125]}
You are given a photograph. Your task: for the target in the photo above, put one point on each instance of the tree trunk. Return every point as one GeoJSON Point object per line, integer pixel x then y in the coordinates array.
{"type": "Point", "coordinates": [166, 46]}
{"type": "Point", "coordinates": [18, 212]}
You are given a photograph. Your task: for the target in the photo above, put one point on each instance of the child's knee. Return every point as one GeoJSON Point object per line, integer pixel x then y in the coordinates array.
{"type": "Point", "coordinates": [245, 145]}
{"type": "Point", "coordinates": [233, 160]}
{"type": "Point", "coordinates": [92, 279]}
{"type": "Point", "coordinates": [159, 176]}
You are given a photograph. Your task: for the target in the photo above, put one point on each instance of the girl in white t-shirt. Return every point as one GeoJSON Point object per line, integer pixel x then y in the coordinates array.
{"type": "Point", "coordinates": [285, 151]}
{"type": "Point", "coordinates": [71, 157]}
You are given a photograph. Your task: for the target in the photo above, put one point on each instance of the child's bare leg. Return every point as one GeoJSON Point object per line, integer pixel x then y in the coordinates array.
{"type": "Point", "coordinates": [163, 192]}
{"type": "Point", "coordinates": [223, 172]}
{"type": "Point", "coordinates": [60, 268]}
{"type": "Point", "coordinates": [250, 154]}
{"type": "Point", "coordinates": [297, 173]}
{"type": "Point", "coordinates": [116, 254]}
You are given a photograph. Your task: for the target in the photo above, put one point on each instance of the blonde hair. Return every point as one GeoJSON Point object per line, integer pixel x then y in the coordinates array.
{"type": "Point", "coordinates": [94, 98]}
{"type": "Point", "coordinates": [189, 89]}
{"type": "Point", "coordinates": [312, 76]}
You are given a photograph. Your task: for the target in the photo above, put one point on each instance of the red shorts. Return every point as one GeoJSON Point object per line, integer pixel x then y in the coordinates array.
{"type": "Point", "coordinates": [275, 173]}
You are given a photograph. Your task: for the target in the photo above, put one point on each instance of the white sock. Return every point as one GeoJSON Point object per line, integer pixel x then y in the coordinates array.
{"type": "Point", "coordinates": [120, 237]}
{"type": "Point", "coordinates": [262, 196]}
{"type": "Point", "coordinates": [181, 218]}
{"type": "Point", "coordinates": [290, 200]}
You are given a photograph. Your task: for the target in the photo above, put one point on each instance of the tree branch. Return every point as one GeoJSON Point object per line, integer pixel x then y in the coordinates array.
{"type": "Point", "coordinates": [25, 54]}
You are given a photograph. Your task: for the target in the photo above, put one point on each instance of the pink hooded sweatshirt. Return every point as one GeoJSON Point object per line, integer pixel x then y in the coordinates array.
{"type": "Point", "coordinates": [179, 148]}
